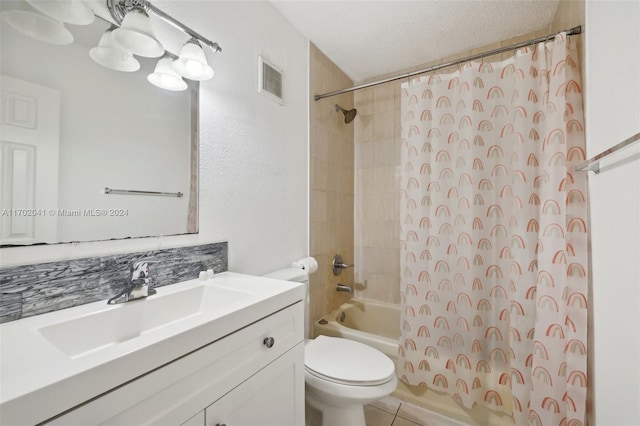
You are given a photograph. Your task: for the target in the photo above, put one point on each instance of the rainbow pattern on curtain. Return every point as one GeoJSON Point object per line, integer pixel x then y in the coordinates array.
{"type": "Point", "coordinates": [494, 236]}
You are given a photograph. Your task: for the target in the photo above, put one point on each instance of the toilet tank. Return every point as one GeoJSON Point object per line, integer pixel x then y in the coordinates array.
{"type": "Point", "coordinates": [297, 275]}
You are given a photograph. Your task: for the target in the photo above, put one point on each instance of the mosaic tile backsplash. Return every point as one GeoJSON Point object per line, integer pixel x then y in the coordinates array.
{"type": "Point", "coordinates": [44, 287]}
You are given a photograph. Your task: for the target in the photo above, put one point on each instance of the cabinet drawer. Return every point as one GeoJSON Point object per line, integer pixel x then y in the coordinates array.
{"type": "Point", "coordinates": [175, 392]}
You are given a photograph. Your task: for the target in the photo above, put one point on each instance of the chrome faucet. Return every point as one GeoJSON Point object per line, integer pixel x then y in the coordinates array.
{"type": "Point", "coordinates": [337, 265]}
{"type": "Point", "coordinates": [139, 285]}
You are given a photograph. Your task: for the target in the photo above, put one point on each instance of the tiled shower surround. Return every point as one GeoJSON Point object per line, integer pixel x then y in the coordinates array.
{"type": "Point", "coordinates": [43, 287]}
{"type": "Point", "coordinates": [331, 184]}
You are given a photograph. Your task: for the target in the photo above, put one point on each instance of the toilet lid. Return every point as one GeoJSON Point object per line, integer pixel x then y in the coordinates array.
{"type": "Point", "coordinates": [347, 361]}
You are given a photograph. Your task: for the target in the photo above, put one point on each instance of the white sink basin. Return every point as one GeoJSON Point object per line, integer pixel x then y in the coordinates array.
{"type": "Point", "coordinates": [83, 335]}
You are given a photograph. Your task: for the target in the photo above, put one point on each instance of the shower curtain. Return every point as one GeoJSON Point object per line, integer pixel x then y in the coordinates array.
{"type": "Point", "coordinates": [494, 236]}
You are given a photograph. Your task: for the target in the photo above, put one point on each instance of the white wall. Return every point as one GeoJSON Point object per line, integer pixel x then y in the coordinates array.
{"type": "Point", "coordinates": [253, 152]}
{"type": "Point", "coordinates": [612, 115]}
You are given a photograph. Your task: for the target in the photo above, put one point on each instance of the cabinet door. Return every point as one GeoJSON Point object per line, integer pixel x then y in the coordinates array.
{"type": "Point", "coordinates": [272, 397]}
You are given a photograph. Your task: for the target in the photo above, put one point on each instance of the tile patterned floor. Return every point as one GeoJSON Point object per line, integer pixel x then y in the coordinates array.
{"type": "Point", "coordinates": [390, 411]}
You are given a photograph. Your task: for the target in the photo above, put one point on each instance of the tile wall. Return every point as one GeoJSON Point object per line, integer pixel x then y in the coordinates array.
{"type": "Point", "coordinates": [377, 198]}
{"type": "Point", "coordinates": [331, 183]}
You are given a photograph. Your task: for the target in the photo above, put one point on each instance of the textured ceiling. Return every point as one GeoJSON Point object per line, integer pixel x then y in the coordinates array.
{"type": "Point", "coordinates": [370, 38]}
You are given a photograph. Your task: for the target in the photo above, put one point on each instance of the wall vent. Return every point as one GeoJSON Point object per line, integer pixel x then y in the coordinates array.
{"type": "Point", "coordinates": [270, 80]}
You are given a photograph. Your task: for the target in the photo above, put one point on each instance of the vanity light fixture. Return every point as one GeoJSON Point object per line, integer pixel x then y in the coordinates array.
{"type": "Point", "coordinates": [110, 54]}
{"type": "Point", "coordinates": [74, 12]}
{"type": "Point", "coordinates": [37, 25]}
{"type": "Point", "coordinates": [136, 34]}
{"type": "Point", "coordinates": [165, 77]}
{"type": "Point", "coordinates": [192, 63]}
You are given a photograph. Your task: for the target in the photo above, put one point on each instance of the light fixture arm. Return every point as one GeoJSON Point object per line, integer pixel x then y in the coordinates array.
{"type": "Point", "coordinates": [119, 8]}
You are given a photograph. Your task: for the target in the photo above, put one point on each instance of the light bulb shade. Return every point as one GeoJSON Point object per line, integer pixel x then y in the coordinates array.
{"type": "Point", "coordinates": [70, 11]}
{"type": "Point", "coordinates": [36, 25]}
{"type": "Point", "coordinates": [136, 35]}
{"type": "Point", "coordinates": [110, 55]}
{"type": "Point", "coordinates": [165, 77]}
{"type": "Point", "coordinates": [192, 63]}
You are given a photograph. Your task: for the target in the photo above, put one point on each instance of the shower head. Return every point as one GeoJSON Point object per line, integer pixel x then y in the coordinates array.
{"type": "Point", "coordinates": [348, 115]}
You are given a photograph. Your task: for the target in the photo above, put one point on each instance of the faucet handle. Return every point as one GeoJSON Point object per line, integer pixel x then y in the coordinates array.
{"type": "Point", "coordinates": [139, 286]}
{"type": "Point", "coordinates": [338, 265]}
{"type": "Point", "coordinates": [139, 270]}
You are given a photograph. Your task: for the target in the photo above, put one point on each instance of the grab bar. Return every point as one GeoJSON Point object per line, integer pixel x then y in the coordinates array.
{"type": "Point", "coordinates": [135, 192]}
{"type": "Point", "coordinates": [593, 164]}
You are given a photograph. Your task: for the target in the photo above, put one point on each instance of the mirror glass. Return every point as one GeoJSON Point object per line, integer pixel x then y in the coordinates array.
{"type": "Point", "coordinates": [71, 128]}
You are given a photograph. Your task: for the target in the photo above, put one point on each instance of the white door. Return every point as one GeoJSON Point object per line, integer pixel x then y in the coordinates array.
{"type": "Point", "coordinates": [29, 141]}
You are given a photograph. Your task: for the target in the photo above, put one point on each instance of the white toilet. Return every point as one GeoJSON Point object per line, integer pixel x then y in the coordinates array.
{"type": "Point", "coordinates": [341, 375]}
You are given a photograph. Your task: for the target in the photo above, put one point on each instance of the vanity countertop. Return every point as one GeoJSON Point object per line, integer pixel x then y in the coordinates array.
{"type": "Point", "coordinates": [53, 362]}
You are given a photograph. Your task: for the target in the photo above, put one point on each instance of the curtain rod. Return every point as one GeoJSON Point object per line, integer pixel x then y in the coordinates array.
{"type": "Point", "coordinates": [572, 31]}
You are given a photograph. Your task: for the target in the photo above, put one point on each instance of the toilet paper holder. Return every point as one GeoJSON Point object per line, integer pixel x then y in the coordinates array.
{"type": "Point", "coordinates": [309, 264]}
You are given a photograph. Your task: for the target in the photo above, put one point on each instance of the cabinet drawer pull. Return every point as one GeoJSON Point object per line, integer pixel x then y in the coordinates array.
{"type": "Point", "coordinates": [269, 342]}
{"type": "Point", "coordinates": [221, 424]}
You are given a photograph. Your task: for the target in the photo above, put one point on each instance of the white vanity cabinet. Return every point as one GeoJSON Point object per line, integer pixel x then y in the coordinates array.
{"type": "Point", "coordinates": [269, 398]}
{"type": "Point", "coordinates": [244, 378]}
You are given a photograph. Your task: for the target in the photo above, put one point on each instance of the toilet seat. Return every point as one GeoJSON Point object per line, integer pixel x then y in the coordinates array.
{"type": "Point", "coordinates": [347, 362]}
{"type": "Point", "coordinates": [347, 382]}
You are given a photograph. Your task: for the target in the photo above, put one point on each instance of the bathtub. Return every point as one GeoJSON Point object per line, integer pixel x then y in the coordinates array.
{"type": "Point", "coordinates": [377, 324]}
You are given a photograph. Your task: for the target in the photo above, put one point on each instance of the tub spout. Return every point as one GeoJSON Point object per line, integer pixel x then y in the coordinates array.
{"type": "Point", "coordinates": [340, 287]}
